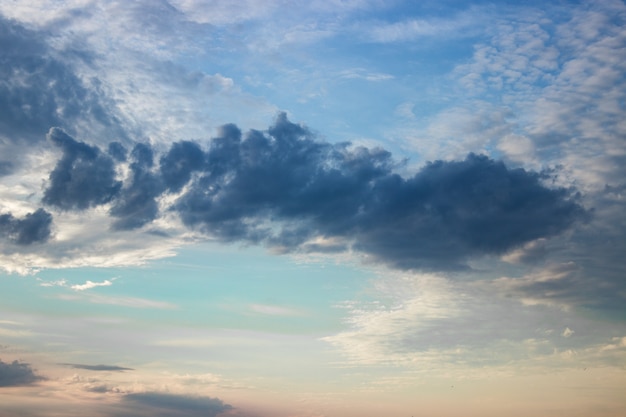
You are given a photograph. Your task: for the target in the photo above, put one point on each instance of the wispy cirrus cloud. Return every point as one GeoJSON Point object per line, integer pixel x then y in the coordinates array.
{"type": "Point", "coordinates": [122, 301]}
{"type": "Point", "coordinates": [274, 310]}
{"type": "Point", "coordinates": [428, 323]}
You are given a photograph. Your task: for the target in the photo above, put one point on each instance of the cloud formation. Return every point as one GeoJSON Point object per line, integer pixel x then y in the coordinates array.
{"type": "Point", "coordinates": [83, 177]}
{"type": "Point", "coordinates": [284, 187]}
{"type": "Point", "coordinates": [90, 284]}
{"type": "Point", "coordinates": [427, 321]}
{"type": "Point", "coordinates": [97, 367]}
{"type": "Point", "coordinates": [137, 203]}
{"type": "Point", "coordinates": [162, 404]}
{"type": "Point", "coordinates": [29, 102]}
{"type": "Point", "coordinates": [40, 88]}
{"type": "Point", "coordinates": [16, 374]}
{"type": "Point", "coordinates": [32, 228]}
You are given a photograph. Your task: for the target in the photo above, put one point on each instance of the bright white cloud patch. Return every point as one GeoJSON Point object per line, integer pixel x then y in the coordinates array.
{"type": "Point", "coordinates": [567, 332]}
{"type": "Point", "coordinates": [90, 284]}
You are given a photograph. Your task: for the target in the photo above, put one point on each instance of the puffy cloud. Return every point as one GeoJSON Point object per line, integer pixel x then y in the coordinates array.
{"type": "Point", "coordinates": [286, 189]}
{"type": "Point", "coordinates": [451, 210]}
{"type": "Point", "coordinates": [179, 163]}
{"type": "Point", "coordinates": [17, 373]}
{"type": "Point", "coordinates": [563, 84]}
{"type": "Point", "coordinates": [82, 178]}
{"type": "Point", "coordinates": [32, 228]}
{"type": "Point", "coordinates": [90, 284]}
{"type": "Point", "coordinates": [280, 187]}
{"type": "Point", "coordinates": [136, 204]}
{"type": "Point", "coordinates": [283, 176]}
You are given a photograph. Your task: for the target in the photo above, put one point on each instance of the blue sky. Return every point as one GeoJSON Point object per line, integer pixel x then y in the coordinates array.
{"type": "Point", "coordinates": [312, 209]}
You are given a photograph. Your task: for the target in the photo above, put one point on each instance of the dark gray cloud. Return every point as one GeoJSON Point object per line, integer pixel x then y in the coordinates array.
{"type": "Point", "coordinates": [32, 228]}
{"type": "Point", "coordinates": [283, 187]}
{"type": "Point", "coordinates": [82, 178]}
{"type": "Point", "coordinates": [39, 88]}
{"type": "Point", "coordinates": [179, 163]}
{"type": "Point", "coordinates": [97, 367]}
{"type": "Point", "coordinates": [6, 167]}
{"type": "Point", "coordinates": [161, 404]}
{"type": "Point", "coordinates": [286, 176]}
{"type": "Point", "coordinates": [136, 204]}
{"type": "Point", "coordinates": [452, 210]}
{"type": "Point", "coordinates": [16, 374]}
{"type": "Point", "coordinates": [29, 99]}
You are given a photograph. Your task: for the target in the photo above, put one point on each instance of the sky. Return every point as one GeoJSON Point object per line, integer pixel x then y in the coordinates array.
{"type": "Point", "coordinates": [328, 208]}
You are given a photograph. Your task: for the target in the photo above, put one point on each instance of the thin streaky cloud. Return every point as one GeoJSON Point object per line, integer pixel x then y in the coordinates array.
{"type": "Point", "coordinates": [122, 301]}
{"type": "Point", "coordinates": [97, 367]}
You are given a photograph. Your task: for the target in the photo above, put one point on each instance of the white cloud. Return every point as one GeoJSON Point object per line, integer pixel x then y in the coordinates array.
{"type": "Point", "coordinates": [408, 303]}
{"type": "Point", "coordinates": [540, 91]}
{"type": "Point", "coordinates": [518, 148]}
{"type": "Point", "coordinates": [567, 332]}
{"type": "Point", "coordinates": [414, 29]}
{"type": "Point", "coordinates": [90, 284]}
{"type": "Point", "coordinates": [221, 12]}
{"type": "Point", "coordinates": [454, 132]}
{"type": "Point", "coordinates": [363, 74]}
{"type": "Point", "coordinates": [617, 343]}
{"type": "Point", "coordinates": [273, 310]}
{"type": "Point", "coordinates": [423, 322]}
